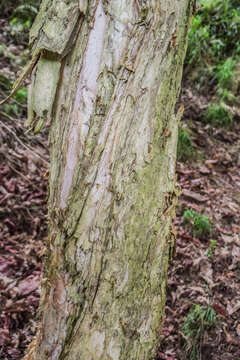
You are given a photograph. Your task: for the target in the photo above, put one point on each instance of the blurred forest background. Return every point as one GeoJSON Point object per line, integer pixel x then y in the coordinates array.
{"type": "Point", "coordinates": [203, 298]}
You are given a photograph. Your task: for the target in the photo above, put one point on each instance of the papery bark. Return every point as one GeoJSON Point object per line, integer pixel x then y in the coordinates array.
{"type": "Point", "coordinates": [112, 182]}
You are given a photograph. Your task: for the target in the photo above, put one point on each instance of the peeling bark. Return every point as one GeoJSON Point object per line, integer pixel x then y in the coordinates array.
{"type": "Point", "coordinates": [112, 180]}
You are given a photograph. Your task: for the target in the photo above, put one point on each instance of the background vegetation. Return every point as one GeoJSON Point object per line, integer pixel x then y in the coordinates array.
{"type": "Point", "coordinates": [213, 58]}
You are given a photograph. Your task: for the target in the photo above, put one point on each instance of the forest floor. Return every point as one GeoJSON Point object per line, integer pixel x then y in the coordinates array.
{"type": "Point", "coordinates": [205, 269]}
{"type": "Point", "coordinates": [23, 194]}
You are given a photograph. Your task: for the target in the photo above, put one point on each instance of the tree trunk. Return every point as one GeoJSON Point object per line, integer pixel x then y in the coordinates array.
{"type": "Point", "coordinates": [108, 78]}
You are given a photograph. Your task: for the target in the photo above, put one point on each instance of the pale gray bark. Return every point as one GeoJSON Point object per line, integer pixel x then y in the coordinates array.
{"type": "Point", "coordinates": [112, 177]}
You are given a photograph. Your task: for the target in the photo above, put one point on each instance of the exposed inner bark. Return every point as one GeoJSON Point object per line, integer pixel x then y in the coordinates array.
{"type": "Point", "coordinates": [112, 182]}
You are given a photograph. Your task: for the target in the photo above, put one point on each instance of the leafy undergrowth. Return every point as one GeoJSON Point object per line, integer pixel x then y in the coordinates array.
{"type": "Point", "coordinates": [206, 268]}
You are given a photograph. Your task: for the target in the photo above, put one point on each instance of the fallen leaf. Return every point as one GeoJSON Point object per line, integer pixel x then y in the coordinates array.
{"type": "Point", "coordinates": [238, 330]}
{"type": "Point", "coordinates": [204, 170]}
{"type": "Point", "coordinates": [219, 309]}
{"type": "Point", "coordinates": [28, 285]}
{"type": "Point", "coordinates": [195, 196]}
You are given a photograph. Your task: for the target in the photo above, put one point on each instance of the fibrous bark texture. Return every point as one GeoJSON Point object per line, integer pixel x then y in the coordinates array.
{"type": "Point", "coordinates": [114, 78]}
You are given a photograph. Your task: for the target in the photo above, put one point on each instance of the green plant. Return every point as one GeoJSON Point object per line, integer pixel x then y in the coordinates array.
{"type": "Point", "coordinates": [198, 41]}
{"type": "Point", "coordinates": [225, 73]}
{"type": "Point", "coordinates": [216, 27]}
{"type": "Point", "coordinates": [11, 109]}
{"type": "Point", "coordinates": [23, 16]}
{"type": "Point", "coordinates": [189, 215]}
{"type": "Point", "coordinates": [18, 25]}
{"type": "Point", "coordinates": [213, 244]}
{"type": "Point", "coordinates": [201, 224]}
{"type": "Point", "coordinates": [214, 46]}
{"type": "Point", "coordinates": [5, 83]}
{"type": "Point", "coordinates": [2, 49]}
{"type": "Point", "coordinates": [199, 320]}
{"type": "Point", "coordinates": [21, 96]}
{"type": "Point", "coordinates": [218, 116]}
{"type": "Point", "coordinates": [226, 95]}
{"type": "Point", "coordinates": [184, 148]}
